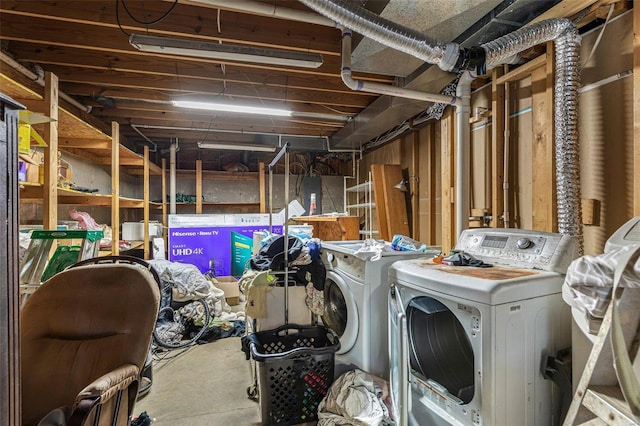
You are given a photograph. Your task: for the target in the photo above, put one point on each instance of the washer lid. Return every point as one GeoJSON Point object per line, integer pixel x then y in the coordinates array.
{"type": "Point", "coordinates": [340, 311]}
{"type": "Point", "coordinates": [491, 286]}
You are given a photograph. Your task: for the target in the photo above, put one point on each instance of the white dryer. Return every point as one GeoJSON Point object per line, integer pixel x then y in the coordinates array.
{"type": "Point", "coordinates": [468, 345]}
{"type": "Point", "coordinates": [356, 304]}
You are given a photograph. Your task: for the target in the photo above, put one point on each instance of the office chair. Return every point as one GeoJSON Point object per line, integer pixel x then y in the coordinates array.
{"type": "Point", "coordinates": [85, 335]}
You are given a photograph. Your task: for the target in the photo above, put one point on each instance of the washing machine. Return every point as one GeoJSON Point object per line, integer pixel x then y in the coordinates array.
{"type": "Point", "coordinates": [468, 344]}
{"type": "Point", "coordinates": [356, 303]}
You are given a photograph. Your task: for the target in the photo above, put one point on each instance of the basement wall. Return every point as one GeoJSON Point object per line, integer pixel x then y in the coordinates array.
{"type": "Point", "coordinates": [606, 141]}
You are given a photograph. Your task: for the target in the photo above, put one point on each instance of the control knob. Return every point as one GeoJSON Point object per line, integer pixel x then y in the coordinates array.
{"type": "Point", "coordinates": [524, 243]}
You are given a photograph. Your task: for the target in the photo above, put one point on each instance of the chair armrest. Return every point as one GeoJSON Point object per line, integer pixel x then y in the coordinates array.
{"type": "Point", "coordinates": [103, 389]}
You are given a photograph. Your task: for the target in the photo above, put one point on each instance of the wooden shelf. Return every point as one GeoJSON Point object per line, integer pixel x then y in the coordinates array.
{"type": "Point", "coordinates": [220, 175]}
{"type": "Point", "coordinates": [33, 194]}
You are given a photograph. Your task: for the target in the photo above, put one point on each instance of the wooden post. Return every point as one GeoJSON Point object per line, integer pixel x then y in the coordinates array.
{"type": "Point", "coordinates": [414, 185]}
{"type": "Point", "coordinates": [115, 188]}
{"type": "Point", "coordinates": [164, 199]}
{"type": "Point", "coordinates": [447, 127]}
{"type": "Point", "coordinates": [145, 214]}
{"type": "Point", "coordinates": [262, 184]}
{"type": "Point", "coordinates": [198, 186]}
{"type": "Point", "coordinates": [636, 110]}
{"type": "Point", "coordinates": [50, 193]}
{"type": "Point", "coordinates": [543, 179]}
{"type": "Point", "coordinates": [497, 147]}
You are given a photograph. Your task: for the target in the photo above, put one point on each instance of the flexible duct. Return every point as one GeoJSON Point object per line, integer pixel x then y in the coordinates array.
{"type": "Point", "coordinates": [502, 50]}
{"type": "Point", "coordinates": [567, 153]}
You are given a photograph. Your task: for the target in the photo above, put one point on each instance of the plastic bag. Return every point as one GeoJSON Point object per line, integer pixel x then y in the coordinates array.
{"type": "Point", "coordinates": [404, 243]}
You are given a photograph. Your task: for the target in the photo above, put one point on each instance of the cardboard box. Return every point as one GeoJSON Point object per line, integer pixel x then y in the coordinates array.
{"type": "Point", "coordinates": [230, 287]}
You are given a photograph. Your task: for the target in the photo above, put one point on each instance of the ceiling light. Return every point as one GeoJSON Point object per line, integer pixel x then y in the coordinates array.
{"type": "Point", "coordinates": [234, 147]}
{"type": "Point", "coordinates": [204, 49]}
{"type": "Point", "coordinates": [227, 107]}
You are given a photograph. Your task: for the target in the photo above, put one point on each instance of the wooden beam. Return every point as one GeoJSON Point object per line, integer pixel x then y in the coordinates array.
{"type": "Point", "coordinates": [543, 179]}
{"type": "Point", "coordinates": [50, 195]}
{"type": "Point", "coordinates": [497, 146]}
{"type": "Point", "coordinates": [84, 143]}
{"type": "Point", "coordinates": [636, 111]}
{"type": "Point", "coordinates": [115, 188]}
{"type": "Point", "coordinates": [524, 70]}
{"type": "Point", "coordinates": [146, 199]}
{"type": "Point", "coordinates": [428, 179]}
{"type": "Point", "coordinates": [564, 9]}
{"type": "Point", "coordinates": [447, 145]}
{"type": "Point", "coordinates": [198, 186]}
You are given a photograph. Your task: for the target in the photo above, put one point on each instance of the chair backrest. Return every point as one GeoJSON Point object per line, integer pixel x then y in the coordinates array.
{"type": "Point", "coordinates": [79, 325]}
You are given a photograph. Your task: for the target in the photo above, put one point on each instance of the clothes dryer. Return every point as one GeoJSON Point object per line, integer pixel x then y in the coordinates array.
{"type": "Point", "coordinates": [468, 345]}
{"type": "Point", "coordinates": [356, 303]}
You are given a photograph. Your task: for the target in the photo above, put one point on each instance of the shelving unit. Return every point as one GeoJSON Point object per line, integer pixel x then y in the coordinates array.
{"type": "Point", "coordinates": [364, 204]}
{"type": "Point", "coordinates": [71, 134]}
{"type": "Point", "coordinates": [200, 176]}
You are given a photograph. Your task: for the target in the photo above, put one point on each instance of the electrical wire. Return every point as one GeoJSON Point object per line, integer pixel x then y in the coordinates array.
{"type": "Point", "coordinates": [597, 42]}
{"type": "Point", "coordinates": [118, 19]}
{"type": "Point", "coordinates": [152, 22]}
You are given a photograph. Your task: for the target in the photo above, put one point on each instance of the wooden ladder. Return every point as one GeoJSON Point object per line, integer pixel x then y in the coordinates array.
{"type": "Point", "coordinates": [608, 391]}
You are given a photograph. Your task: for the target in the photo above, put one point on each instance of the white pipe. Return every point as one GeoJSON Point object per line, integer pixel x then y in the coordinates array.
{"type": "Point", "coordinates": [506, 152]}
{"type": "Point", "coordinates": [383, 89]}
{"type": "Point", "coordinates": [270, 10]}
{"type": "Point", "coordinates": [172, 178]}
{"type": "Point", "coordinates": [40, 80]}
{"type": "Point", "coordinates": [463, 151]}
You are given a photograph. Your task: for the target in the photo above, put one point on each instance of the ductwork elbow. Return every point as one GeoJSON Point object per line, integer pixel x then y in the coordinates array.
{"type": "Point", "coordinates": [352, 84]}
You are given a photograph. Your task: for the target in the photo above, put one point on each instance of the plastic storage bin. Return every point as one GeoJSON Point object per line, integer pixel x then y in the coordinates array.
{"type": "Point", "coordinates": [295, 369]}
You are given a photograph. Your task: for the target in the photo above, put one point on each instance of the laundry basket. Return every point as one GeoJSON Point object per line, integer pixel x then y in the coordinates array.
{"type": "Point", "coordinates": [295, 369]}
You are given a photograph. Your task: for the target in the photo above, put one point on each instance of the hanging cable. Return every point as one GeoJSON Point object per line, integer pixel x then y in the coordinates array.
{"type": "Point", "coordinates": [152, 22]}
{"type": "Point", "coordinates": [597, 42]}
{"type": "Point", "coordinates": [118, 19]}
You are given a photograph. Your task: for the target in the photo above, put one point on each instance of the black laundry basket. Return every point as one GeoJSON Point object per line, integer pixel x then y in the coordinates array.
{"type": "Point", "coordinates": [295, 369]}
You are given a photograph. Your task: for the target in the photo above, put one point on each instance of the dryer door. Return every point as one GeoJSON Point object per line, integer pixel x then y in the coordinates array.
{"type": "Point", "coordinates": [340, 311]}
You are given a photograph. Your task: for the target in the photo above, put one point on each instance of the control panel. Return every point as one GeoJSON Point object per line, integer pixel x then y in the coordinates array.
{"type": "Point", "coordinates": [519, 248]}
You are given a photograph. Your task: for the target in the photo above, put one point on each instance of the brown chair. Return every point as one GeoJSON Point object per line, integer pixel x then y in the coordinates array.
{"type": "Point", "coordinates": [85, 335]}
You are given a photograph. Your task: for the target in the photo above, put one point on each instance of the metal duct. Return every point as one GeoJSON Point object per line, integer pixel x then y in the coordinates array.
{"type": "Point", "coordinates": [503, 49]}
{"type": "Point", "coordinates": [351, 15]}
{"type": "Point", "coordinates": [567, 153]}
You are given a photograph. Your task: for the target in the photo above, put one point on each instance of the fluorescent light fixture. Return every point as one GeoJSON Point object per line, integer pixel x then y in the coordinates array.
{"type": "Point", "coordinates": [230, 52]}
{"type": "Point", "coordinates": [234, 147]}
{"type": "Point", "coordinates": [227, 107]}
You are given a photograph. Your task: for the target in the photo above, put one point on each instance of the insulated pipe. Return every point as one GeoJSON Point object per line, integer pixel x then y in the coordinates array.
{"type": "Point", "coordinates": [382, 89]}
{"type": "Point", "coordinates": [40, 80]}
{"type": "Point", "coordinates": [172, 178]}
{"type": "Point", "coordinates": [463, 151]}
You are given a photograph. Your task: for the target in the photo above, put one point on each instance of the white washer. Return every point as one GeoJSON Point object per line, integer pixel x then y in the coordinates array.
{"type": "Point", "coordinates": [468, 345]}
{"type": "Point", "coordinates": [356, 304]}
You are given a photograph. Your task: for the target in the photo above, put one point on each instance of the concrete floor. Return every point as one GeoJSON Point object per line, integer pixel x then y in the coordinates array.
{"type": "Point", "coordinates": [203, 386]}
{"type": "Point", "coordinates": [206, 385]}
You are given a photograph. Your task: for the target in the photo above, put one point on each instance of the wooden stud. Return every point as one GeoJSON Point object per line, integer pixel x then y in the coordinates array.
{"type": "Point", "coordinates": [261, 180]}
{"type": "Point", "coordinates": [431, 185]}
{"type": "Point", "coordinates": [543, 178]}
{"type": "Point", "coordinates": [636, 111]}
{"type": "Point", "coordinates": [198, 186]}
{"type": "Point", "coordinates": [447, 126]}
{"type": "Point", "coordinates": [522, 71]}
{"type": "Point", "coordinates": [146, 198]}
{"type": "Point", "coordinates": [115, 188]}
{"type": "Point", "coordinates": [165, 224]}
{"type": "Point", "coordinates": [50, 194]}
{"type": "Point", "coordinates": [497, 146]}
{"type": "Point", "coordinates": [414, 185]}
{"type": "Point", "coordinates": [590, 212]}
